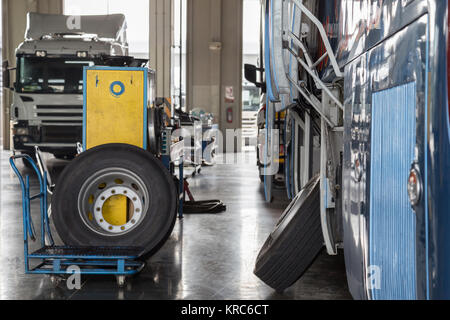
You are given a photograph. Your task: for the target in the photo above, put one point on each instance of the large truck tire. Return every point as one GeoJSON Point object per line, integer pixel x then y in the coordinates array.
{"type": "Point", "coordinates": [110, 171]}
{"type": "Point", "coordinates": [295, 243]}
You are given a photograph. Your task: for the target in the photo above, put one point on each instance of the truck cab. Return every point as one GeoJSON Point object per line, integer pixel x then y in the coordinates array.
{"type": "Point", "coordinates": [47, 107]}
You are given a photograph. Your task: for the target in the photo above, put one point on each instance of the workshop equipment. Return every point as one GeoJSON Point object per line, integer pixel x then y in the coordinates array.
{"type": "Point", "coordinates": [59, 260]}
{"type": "Point", "coordinates": [209, 136]}
{"type": "Point", "coordinates": [115, 108]}
{"type": "Point", "coordinates": [200, 207]}
{"type": "Point", "coordinates": [192, 128]}
{"type": "Point", "coordinates": [117, 192]}
{"type": "Point", "coordinates": [120, 190]}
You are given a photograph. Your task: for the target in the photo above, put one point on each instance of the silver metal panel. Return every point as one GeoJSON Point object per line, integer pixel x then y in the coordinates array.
{"type": "Point", "coordinates": [392, 220]}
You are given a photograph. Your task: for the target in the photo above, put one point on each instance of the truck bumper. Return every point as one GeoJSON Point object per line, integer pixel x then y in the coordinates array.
{"type": "Point", "coordinates": [59, 140]}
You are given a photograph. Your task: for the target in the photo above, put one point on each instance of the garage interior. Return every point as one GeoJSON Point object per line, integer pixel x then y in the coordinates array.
{"type": "Point", "coordinates": [206, 256]}
{"type": "Point", "coordinates": [224, 150]}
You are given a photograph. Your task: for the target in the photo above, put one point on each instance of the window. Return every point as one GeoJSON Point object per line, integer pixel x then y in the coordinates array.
{"type": "Point", "coordinates": [2, 109]}
{"type": "Point", "coordinates": [178, 85]}
{"type": "Point", "coordinates": [251, 97]}
{"type": "Point", "coordinates": [136, 13]}
{"type": "Point", "coordinates": [42, 75]}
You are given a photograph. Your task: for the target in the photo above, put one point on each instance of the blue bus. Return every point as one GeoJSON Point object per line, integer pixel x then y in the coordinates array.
{"type": "Point", "coordinates": [365, 86]}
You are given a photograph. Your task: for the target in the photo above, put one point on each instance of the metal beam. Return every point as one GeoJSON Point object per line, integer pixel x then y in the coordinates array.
{"type": "Point", "coordinates": [160, 41]}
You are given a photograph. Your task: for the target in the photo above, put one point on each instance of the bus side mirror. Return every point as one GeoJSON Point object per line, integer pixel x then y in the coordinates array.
{"type": "Point", "coordinates": [5, 74]}
{"type": "Point", "coordinates": [250, 72]}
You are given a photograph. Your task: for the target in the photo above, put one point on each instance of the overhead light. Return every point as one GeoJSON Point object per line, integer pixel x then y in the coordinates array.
{"type": "Point", "coordinates": [41, 53]}
{"type": "Point", "coordinates": [82, 54]}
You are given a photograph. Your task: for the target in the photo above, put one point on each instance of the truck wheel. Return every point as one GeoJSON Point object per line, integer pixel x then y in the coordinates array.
{"type": "Point", "coordinates": [116, 172]}
{"type": "Point", "coordinates": [295, 243]}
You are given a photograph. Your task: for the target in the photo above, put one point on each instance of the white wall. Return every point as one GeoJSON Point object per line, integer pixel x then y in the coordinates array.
{"type": "Point", "coordinates": [210, 71]}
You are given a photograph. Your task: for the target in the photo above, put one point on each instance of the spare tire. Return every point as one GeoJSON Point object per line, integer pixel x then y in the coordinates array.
{"type": "Point", "coordinates": [89, 183]}
{"type": "Point", "coordinates": [295, 243]}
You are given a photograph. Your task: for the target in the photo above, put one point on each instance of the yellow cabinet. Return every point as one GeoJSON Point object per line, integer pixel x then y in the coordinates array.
{"type": "Point", "coordinates": [115, 106]}
{"type": "Point", "coordinates": [115, 111]}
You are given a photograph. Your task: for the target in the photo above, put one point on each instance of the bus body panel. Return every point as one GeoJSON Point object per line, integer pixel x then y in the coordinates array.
{"type": "Point", "coordinates": [438, 155]}
{"type": "Point", "coordinates": [355, 196]}
{"type": "Point", "coordinates": [384, 74]}
{"type": "Point", "coordinates": [363, 24]}
{"type": "Point", "coordinates": [395, 58]}
{"type": "Point", "coordinates": [417, 53]}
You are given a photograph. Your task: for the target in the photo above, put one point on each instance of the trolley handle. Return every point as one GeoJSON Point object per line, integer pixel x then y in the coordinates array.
{"type": "Point", "coordinates": [27, 198]}
{"type": "Point", "coordinates": [12, 162]}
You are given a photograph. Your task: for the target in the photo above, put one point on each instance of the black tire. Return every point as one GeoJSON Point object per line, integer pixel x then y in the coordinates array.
{"type": "Point", "coordinates": [156, 224]}
{"type": "Point", "coordinates": [295, 243]}
{"type": "Point", "coordinates": [154, 130]}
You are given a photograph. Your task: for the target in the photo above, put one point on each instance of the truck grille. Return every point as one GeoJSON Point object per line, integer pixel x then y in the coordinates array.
{"type": "Point", "coordinates": [58, 114]}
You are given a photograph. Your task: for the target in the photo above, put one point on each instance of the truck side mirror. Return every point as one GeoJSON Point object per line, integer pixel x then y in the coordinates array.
{"type": "Point", "coordinates": [5, 74]}
{"type": "Point", "coordinates": [250, 75]}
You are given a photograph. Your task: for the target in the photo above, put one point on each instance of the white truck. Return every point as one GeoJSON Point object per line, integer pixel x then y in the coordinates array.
{"type": "Point", "coordinates": [250, 109]}
{"type": "Point", "coordinates": [47, 107]}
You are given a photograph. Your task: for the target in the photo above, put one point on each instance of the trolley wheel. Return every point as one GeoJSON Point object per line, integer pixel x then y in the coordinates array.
{"type": "Point", "coordinates": [121, 281]}
{"type": "Point", "coordinates": [115, 174]}
{"type": "Point", "coordinates": [56, 280]}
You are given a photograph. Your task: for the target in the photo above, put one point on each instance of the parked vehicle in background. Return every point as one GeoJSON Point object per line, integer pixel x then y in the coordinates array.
{"type": "Point", "coordinates": [365, 87]}
{"type": "Point", "coordinates": [279, 178]}
{"type": "Point", "coordinates": [250, 108]}
{"type": "Point", "coordinates": [47, 107]}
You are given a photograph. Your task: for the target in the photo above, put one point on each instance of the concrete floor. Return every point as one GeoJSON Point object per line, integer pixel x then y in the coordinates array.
{"type": "Point", "coordinates": [207, 257]}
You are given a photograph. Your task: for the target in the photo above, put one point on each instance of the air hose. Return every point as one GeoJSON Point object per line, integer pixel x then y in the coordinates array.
{"type": "Point", "coordinates": [204, 207]}
{"type": "Point", "coordinates": [201, 207]}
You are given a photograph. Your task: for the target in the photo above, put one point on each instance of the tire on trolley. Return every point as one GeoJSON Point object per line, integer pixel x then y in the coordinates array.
{"type": "Point", "coordinates": [111, 172]}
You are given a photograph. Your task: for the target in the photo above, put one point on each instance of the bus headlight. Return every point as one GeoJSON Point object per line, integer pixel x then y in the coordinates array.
{"type": "Point", "coordinates": [414, 187]}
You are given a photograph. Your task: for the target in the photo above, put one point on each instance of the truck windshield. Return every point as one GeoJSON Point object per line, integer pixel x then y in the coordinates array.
{"type": "Point", "coordinates": [51, 75]}
{"type": "Point", "coordinates": [250, 99]}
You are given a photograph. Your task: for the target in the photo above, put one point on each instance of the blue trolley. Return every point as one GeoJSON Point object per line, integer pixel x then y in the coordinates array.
{"type": "Point", "coordinates": [57, 260]}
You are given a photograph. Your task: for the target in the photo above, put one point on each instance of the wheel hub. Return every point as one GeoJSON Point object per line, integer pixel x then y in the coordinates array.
{"type": "Point", "coordinates": [97, 192]}
{"type": "Point", "coordinates": [135, 213]}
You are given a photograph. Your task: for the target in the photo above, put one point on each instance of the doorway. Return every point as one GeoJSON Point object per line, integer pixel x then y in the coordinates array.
{"type": "Point", "coordinates": [251, 95]}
